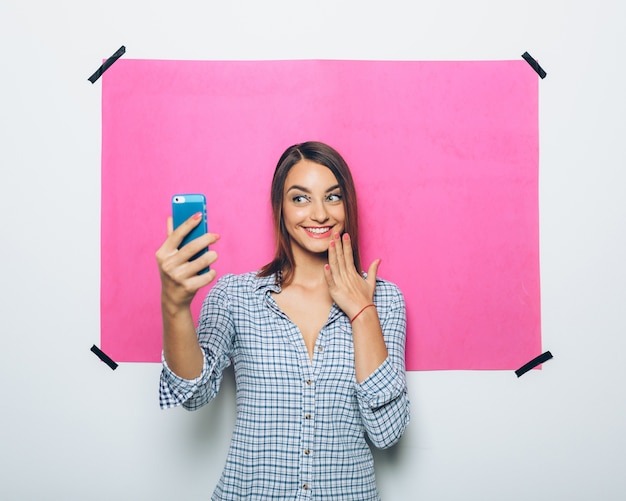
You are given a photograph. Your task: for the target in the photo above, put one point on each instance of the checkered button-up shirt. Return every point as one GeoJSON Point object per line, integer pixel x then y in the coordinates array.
{"type": "Point", "coordinates": [301, 423]}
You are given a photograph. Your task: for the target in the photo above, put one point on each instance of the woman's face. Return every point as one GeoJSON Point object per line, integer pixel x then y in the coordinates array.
{"type": "Point", "coordinates": [313, 207]}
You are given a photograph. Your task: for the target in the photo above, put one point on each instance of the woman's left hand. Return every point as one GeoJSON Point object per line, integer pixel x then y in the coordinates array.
{"type": "Point", "coordinates": [347, 287]}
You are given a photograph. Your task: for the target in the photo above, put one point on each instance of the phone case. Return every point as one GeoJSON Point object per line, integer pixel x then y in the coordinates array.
{"type": "Point", "coordinates": [183, 207]}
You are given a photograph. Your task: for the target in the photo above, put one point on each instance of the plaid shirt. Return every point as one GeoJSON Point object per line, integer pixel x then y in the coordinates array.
{"type": "Point", "coordinates": [301, 423]}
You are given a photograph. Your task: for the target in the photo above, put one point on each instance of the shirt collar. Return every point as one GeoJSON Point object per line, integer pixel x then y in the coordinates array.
{"type": "Point", "coordinates": [264, 284]}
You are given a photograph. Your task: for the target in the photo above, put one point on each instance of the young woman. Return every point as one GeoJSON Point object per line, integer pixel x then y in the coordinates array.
{"type": "Point", "coordinates": [317, 346]}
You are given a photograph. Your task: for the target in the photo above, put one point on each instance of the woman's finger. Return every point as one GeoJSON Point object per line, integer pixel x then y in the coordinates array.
{"type": "Point", "coordinates": [199, 281]}
{"type": "Point", "coordinates": [332, 256]}
{"type": "Point", "coordinates": [197, 245]}
{"type": "Point", "coordinates": [328, 274]}
{"type": "Point", "coordinates": [201, 262]}
{"type": "Point", "coordinates": [348, 257]}
{"type": "Point", "coordinates": [341, 263]}
{"type": "Point", "coordinates": [170, 257]}
{"type": "Point", "coordinates": [176, 236]}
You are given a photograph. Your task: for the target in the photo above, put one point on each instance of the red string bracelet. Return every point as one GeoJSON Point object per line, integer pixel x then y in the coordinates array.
{"type": "Point", "coordinates": [362, 310]}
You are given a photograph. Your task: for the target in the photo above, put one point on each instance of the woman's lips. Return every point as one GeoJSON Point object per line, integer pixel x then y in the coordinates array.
{"type": "Point", "coordinates": [318, 231]}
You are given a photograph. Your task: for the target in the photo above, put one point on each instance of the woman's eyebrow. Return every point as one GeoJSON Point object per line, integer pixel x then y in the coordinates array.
{"type": "Point", "coordinates": [299, 188]}
{"type": "Point", "coordinates": [306, 190]}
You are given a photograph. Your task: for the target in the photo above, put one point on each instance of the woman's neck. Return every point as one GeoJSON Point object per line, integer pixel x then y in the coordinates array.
{"type": "Point", "coordinates": [309, 269]}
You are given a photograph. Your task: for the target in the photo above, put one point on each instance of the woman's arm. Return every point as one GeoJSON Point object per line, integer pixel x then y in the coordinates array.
{"type": "Point", "coordinates": [370, 350]}
{"type": "Point", "coordinates": [383, 396]}
{"type": "Point", "coordinates": [179, 283]}
{"type": "Point", "coordinates": [355, 297]}
{"type": "Point", "coordinates": [378, 343]}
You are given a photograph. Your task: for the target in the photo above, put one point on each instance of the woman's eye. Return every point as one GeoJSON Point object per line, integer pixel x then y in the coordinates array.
{"type": "Point", "coordinates": [300, 199]}
{"type": "Point", "coordinates": [334, 197]}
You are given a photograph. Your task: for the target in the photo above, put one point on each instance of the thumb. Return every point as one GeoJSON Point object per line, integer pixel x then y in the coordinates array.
{"type": "Point", "coordinates": [372, 272]}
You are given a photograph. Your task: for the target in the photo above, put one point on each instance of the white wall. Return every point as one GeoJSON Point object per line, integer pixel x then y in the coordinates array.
{"type": "Point", "coordinates": [72, 429]}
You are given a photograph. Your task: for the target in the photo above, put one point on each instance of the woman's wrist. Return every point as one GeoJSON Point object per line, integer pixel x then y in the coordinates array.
{"type": "Point", "coordinates": [358, 314]}
{"type": "Point", "coordinates": [172, 307]}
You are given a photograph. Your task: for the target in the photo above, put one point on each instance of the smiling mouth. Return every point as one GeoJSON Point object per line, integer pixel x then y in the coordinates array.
{"type": "Point", "coordinates": [319, 230]}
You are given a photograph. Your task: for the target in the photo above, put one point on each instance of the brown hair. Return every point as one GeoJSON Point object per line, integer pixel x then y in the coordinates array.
{"type": "Point", "coordinates": [283, 263]}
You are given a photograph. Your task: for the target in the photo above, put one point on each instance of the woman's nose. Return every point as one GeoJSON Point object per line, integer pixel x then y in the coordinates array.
{"type": "Point", "coordinates": [319, 212]}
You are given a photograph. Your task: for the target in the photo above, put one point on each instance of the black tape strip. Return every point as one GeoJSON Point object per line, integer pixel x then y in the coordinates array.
{"type": "Point", "coordinates": [106, 64]}
{"type": "Point", "coordinates": [534, 64]}
{"type": "Point", "coordinates": [104, 357]}
{"type": "Point", "coordinates": [533, 363]}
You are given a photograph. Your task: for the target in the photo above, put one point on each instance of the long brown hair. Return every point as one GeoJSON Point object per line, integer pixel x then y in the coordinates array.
{"type": "Point", "coordinates": [283, 263]}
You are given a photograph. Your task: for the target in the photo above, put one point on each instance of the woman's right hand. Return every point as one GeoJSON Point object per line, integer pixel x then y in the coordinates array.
{"type": "Point", "coordinates": [179, 276]}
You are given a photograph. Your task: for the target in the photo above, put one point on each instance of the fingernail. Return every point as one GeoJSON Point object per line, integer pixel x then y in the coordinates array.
{"type": "Point", "coordinates": [346, 236]}
{"type": "Point", "coordinates": [197, 215]}
{"type": "Point", "coordinates": [332, 243]}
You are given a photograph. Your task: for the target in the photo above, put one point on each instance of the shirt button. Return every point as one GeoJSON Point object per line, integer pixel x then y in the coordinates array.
{"type": "Point", "coordinates": [308, 382]}
{"type": "Point", "coordinates": [307, 452]}
{"type": "Point", "coordinates": [320, 348]}
{"type": "Point", "coordinates": [307, 416]}
{"type": "Point", "coordinates": [305, 486]}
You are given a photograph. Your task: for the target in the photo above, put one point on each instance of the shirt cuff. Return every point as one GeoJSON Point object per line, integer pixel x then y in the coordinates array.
{"type": "Point", "coordinates": [182, 389]}
{"type": "Point", "coordinates": [382, 386]}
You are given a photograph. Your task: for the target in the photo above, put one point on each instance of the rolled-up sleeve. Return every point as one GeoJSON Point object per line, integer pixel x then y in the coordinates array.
{"type": "Point", "coordinates": [383, 396]}
{"type": "Point", "coordinates": [215, 335]}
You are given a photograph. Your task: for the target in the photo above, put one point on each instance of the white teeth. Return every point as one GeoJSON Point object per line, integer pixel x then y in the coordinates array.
{"type": "Point", "coordinates": [318, 231]}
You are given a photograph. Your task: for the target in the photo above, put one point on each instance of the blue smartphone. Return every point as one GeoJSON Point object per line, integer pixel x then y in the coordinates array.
{"type": "Point", "coordinates": [183, 207]}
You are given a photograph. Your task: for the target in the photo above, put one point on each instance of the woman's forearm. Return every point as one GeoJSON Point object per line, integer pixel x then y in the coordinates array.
{"type": "Point", "coordinates": [370, 350]}
{"type": "Point", "coordinates": [180, 343]}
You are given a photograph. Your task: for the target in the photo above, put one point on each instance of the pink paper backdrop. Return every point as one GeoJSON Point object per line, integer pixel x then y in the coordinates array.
{"type": "Point", "coordinates": [445, 157]}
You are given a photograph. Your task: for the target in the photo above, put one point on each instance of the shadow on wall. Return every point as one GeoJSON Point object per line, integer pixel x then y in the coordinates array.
{"type": "Point", "coordinates": [212, 426]}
